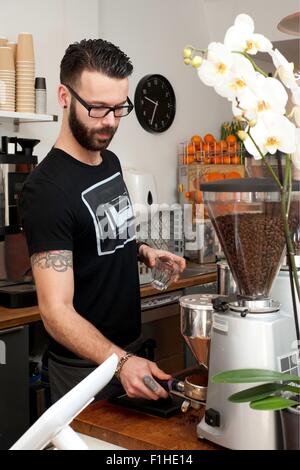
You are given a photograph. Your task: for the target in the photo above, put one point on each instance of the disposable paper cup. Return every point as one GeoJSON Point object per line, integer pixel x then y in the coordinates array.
{"type": "Point", "coordinates": [20, 64]}
{"type": "Point", "coordinates": [24, 68]}
{"type": "Point", "coordinates": [25, 49]}
{"type": "Point", "coordinates": [6, 59]}
{"type": "Point", "coordinates": [7, 97]}
{"type": "Point", "coordinates": [25, 63]}
{"type": "Point", "coordinates": [25, 108]}
{"type": "Point", "coordinates": [13, 46]}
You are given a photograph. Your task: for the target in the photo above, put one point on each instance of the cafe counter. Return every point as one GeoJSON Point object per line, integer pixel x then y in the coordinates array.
{"type": "Point", "coordinates": [10, 318]}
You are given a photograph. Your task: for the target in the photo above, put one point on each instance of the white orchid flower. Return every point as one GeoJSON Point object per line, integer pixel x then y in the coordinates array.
{"type": "Point", "coordinates": [296, 94]}
{"type": "Point", "coordinates": [215, 69]}
{"type": "Point", "coordinates": [262, 95]}
{"type": "Point", "coordinates": [296, 154]}
{"type": "Point", "coordinates": [241, 37]}
{"type": "Point", "coordinates": [296, 114]}
{"type": "Point", "coordinates": [286, 74]}
{"type": "Point", "coordinates": [284, 68]}
{"type": "Point", "coordinates": [237, 81]}
{"type": "Point", "coordinates": [272, 132]}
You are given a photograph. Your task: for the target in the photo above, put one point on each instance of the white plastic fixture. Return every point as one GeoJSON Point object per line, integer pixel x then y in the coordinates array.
{"type": "Point", "coordinates": [53, 426]}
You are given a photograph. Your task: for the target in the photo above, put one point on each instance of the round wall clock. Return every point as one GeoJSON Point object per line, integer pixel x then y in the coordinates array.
{"type": "Point", "coordinates": [155, 103]}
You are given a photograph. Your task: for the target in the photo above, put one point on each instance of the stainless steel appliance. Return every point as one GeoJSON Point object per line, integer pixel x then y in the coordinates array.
{"type": "Point", "coordinates": [226, 282]}
{"type": "Point", "coordinates": [16, 288]}
{"type": "Point", "coordinates": [252, 331]}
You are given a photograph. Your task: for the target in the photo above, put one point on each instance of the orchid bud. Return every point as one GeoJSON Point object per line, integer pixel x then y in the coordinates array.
{"type": "Point", "coordinates": [242, 135]}
{"type": "Point", "coordinates": [252, 123]}
{"type": "Point", "coordinates": [187, 52]}
{"type": "Point", "coordinates": [187, 61]}
{"type": "Point", "coordinates": [197, 61]}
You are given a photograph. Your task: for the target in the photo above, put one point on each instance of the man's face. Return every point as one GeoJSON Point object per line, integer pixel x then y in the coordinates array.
{"type": "Point", "coordinates": [95, 134]}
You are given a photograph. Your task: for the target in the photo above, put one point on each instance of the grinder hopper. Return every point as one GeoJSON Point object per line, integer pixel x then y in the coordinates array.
{"type": "Point", "coordinates": [246, 214]}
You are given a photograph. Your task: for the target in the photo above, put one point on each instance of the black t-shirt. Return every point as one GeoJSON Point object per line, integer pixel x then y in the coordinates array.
{"type": "Point", "coordinates": [69, 205]}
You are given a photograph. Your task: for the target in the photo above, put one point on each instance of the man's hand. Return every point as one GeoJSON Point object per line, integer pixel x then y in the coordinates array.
{"type": "Point", "coordinates": [138, 379]}
{"type": "Point", "coordinates": [148, 255]}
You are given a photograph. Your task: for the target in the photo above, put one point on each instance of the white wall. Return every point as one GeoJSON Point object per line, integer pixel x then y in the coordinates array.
{"type": "Point", "coordinates": [54, 25]}
{"type": "Point", "coordinates": [153, 33]}
{"type": "Point", "coordinates": [266, 14]}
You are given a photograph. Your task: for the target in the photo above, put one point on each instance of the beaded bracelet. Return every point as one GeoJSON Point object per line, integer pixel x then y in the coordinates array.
{"type": "Point", "coordinates": [121, 363]}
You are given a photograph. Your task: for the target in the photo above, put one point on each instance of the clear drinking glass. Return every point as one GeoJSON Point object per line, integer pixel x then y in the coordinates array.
{"type": "Point", "coordinates": [164, 272]}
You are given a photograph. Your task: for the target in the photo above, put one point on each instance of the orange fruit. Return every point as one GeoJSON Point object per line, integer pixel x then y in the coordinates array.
{"type": "Point", "coordinates": [190, 159]}
{"type": "Point", "coordinates": [235, 160]}
{"type": "Point", "coordinates": [226, 159]}
{"type": "Point", "coordinates": [190, 149]}
{"type": "Point", "coordinates": [217, 160]}
{"type": "Point", "coordinates": [198, 197]}
{"type": "Point", "coordinates": [231, 139]}
{"type": "Point", "coordinates": [232, 175]}
{"type": "Point", "coordinates": [223, 145]}
{"type": "Point", "coordinates": [197, 141]}
{"type": "Point", "coordinates": [209, 139]}
{"type": "Point", "coordinates": [218, 148]}
{"type": "Point", "coordinates": [205, 148]}
{"type": "Point", "coordinates": [214, 176]}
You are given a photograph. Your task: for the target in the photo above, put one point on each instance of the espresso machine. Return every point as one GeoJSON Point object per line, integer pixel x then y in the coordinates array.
{"type": "Point", "coordinates": [16, 286]}
{"type": "Point", "coordinates": [249, 330]}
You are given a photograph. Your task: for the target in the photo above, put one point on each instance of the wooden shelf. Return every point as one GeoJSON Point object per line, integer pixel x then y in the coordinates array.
{"type": "Point", "coordinates": [22, 118]}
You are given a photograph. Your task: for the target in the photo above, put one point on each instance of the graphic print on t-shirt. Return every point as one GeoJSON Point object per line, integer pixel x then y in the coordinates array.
{"type": "Point", "coordinates": [109, 205]}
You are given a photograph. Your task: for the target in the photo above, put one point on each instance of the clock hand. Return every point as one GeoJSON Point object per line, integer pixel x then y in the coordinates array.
{"type": "Point", "coordinates": [154, 111]}
{"type": "Point", "coordinates": [151, 101]}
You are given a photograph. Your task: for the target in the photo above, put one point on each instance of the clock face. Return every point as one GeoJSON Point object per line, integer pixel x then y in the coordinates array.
{"type": "Point", "coordinates": [155, 103]}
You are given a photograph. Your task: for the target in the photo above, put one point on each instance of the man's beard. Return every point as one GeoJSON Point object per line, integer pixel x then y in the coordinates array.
{"type": "Point", "coordinates": [89, 139]}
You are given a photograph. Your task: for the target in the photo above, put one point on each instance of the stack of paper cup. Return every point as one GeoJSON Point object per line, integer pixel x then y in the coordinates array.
{"type": "Point", "coordinates": [13, 46]}
{"type": "Point", "coordinates": [7, 79]}
{"type": "Point", "coordinates": [25, 74]}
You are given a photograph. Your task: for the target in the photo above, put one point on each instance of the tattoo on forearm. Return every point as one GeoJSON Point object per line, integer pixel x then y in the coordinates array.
{"type": "Point", "coordinates": [59, 260]}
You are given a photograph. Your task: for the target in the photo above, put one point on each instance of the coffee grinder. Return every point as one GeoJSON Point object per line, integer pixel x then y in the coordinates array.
{"type": "Point", "coordinates": [252, 331]}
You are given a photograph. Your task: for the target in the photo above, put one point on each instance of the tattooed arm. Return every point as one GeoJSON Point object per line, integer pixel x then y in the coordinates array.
{"type": "Point", "coordinates": [53, 273]}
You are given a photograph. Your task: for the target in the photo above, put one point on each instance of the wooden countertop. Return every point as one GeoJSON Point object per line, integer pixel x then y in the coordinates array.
{"type": "Point", "coordinates": [10, 318]}
{"type": "Point", "coordinates": [140, 431]}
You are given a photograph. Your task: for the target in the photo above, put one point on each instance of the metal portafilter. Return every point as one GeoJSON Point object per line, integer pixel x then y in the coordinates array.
{"type": "Point", "coordinates": [192, 389]}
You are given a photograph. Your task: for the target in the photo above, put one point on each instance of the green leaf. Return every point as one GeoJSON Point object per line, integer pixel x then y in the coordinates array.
{"type": "Point", "coordinates": [258, 393]}
{"type": "Point", "coordinates": [272, 404]}
{"type": "Point", "coordinates": [253, 375]}
{"type": "Point", "coordinates": [295, 389]}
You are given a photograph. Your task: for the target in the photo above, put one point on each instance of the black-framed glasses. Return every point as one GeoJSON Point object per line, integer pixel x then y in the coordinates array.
{"type": "Point", "coordinates": [102, 111]}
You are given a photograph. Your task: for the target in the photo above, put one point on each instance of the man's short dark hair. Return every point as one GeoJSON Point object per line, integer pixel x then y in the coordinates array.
{"type": "Point", "coordinates": [93, 55]}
